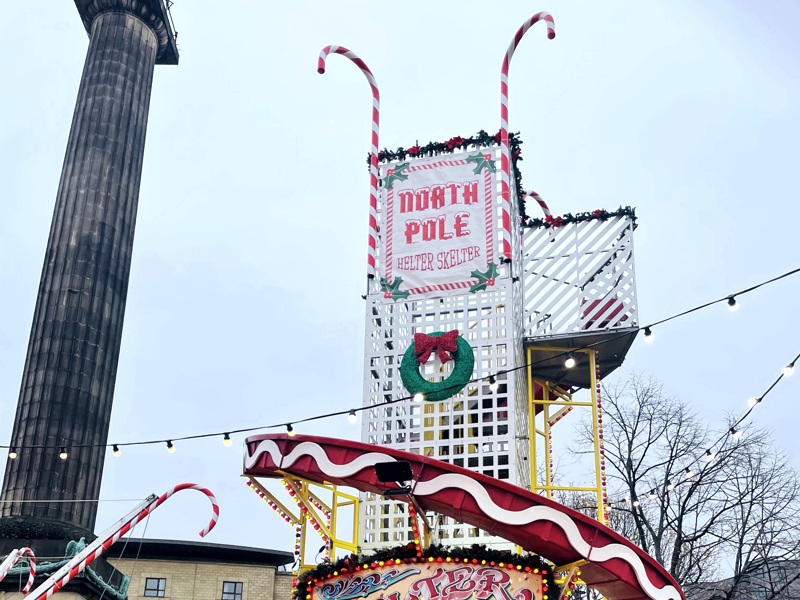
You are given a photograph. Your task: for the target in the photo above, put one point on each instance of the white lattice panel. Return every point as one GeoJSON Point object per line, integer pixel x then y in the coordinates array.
{"type": "Point", "coordinates": [579, 278]}
{"type": "Point", "coordinates": [478, 429]}
{"type": "Point", "coordinates": [474, 429]}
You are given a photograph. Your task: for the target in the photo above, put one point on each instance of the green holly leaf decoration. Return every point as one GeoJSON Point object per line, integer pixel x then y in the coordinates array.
{"type": "Point", "coordinates": [484, 279]}
{"type": "Point", "coordinates": [481, 163]}
{"type": "Point", "coordinates": [396, 174]}
{"type": "Point", "coordinates": [392, 290]}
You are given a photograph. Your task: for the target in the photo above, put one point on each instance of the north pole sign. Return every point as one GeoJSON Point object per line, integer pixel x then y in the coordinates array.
{"type": "Point", "coordinates": [439, 226]}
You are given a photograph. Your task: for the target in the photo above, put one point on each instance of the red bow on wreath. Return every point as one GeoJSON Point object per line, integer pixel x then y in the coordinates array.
{"type": "Point", "coordinates": [444, 344]}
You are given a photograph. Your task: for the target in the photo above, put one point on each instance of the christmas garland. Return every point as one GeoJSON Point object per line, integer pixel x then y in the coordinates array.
{"type": "Point", "coordinates": [475, 554]}
{"type": "Point", "coordinates": [480, 139]}
{"type": "Point", "coordinates": [595, 215]}
{"type": "Point", "coordinates": [464, 362]}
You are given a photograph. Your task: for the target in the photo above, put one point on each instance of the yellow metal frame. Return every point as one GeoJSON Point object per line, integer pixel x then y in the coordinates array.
{"type": "Point", "coordinates": [338, 502]}
{"type": "Point", "coordinates": [553, 404]}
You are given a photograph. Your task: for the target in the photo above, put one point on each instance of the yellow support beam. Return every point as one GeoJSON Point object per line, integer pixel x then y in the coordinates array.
{"type": "Point", "coordinates": [547, 404]}
{"type": "Point", "coordinates": [338, 503]}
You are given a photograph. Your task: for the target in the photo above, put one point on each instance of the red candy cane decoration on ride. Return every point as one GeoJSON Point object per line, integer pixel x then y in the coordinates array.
{"type": "Point", "coordinates": [94, 550]}
{"type": "Point", "coordinates": [542, 204]}
{"type": "Point", "coordinates": [373, 153]}
{"type": "Point", "coordinates": [505, 159]}
{"type": "Point", "coordinates": [12, 559]}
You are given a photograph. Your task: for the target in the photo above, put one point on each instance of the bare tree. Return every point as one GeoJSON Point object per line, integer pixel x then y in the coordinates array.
{"type": "Point", "coordinates": [735, 510]}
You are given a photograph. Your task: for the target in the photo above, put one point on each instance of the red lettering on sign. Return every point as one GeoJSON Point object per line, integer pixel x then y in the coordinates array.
{"type": "Point", "coordinates": [429, 229]}
{"type": "Point", "coordinates": [443, 235]}
{"type": "Point", "coordinates": [406, 201]}
{"type": "Point", "coordinates": [422, 199]}
{"type": "Point", "coordinates": [461, 224]}
{"type": "Point", "coordinates": [412, 229]}
{"type": "Point", "coordinates": [453, 188]}
{"type": "Point", "coordinates": [470, 193]}
{"type": "Point", "coordinates": [437, 195]}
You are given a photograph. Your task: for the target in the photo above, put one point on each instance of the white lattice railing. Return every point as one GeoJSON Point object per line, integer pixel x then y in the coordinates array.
{"type": "Point", "coordinates": [579, 278]}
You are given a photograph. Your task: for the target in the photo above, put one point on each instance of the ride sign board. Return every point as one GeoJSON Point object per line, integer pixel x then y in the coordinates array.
{"type": "Point", "coordinates": [437, 581]}
{"type": "Point", "coordinates": [439, 226]}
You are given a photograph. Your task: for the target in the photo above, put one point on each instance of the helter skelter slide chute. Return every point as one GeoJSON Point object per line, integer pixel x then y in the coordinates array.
{"type": "Point", "coordinates": [610, 563]}
{"type": "Point", "coordinates": [482, 325]}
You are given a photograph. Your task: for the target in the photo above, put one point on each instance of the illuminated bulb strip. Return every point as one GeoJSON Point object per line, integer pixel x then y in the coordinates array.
{"type": "Point", "coordinates": [561, 416]}
{"type": "Point", "coordinates": [601, 443]}
{"type": "Point", "coordinates": [412, 513]}
{"type": "Point", "coordinates": [306, 516]}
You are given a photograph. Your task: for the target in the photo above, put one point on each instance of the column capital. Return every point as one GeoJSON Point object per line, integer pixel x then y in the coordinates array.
{"type": "Point", "coordinates": [153, 13]}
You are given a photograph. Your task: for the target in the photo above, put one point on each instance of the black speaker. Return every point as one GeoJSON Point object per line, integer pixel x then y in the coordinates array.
{"type": "Point", "coordinates": [393, 471]}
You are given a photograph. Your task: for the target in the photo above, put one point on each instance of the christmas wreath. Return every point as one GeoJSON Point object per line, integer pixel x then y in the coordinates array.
{"type": "Point", "coordinates": [448, 346]}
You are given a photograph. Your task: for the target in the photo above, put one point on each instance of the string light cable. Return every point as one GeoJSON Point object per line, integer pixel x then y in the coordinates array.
{"type": "Point", "coordinates": [686, 474]}
{"type": "Point", "coordinates": [288, 426]}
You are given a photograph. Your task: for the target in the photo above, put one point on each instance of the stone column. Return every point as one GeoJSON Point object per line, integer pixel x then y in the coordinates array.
{"type": "Point", "coordinates": [71, 364]}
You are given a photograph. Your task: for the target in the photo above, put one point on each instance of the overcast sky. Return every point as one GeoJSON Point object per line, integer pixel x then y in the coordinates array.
{"type": "Point", "coordinates": [244, 303]}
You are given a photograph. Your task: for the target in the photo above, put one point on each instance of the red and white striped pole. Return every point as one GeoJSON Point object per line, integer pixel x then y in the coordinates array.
{"type": "Point", "coordinates": [12, 559]}
{"type": "Point", "coordinates": [540, 201]}
{"type": "Point", "coordinates": [94, 550]}
{"type": "Point", "coordinates": [373, 152]}
{"type": "Point", "coordinates": [505, 159]}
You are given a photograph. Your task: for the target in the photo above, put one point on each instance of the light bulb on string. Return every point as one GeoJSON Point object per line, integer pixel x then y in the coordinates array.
{"type": "Point", "coordinates": [636, 503]}
{"type": "Point", "coordinates": [670, 485]}
{"type": "Point", "coordinates": [733, 306]}
{"type": "Point", "coordinates": [12, 453]}
{"type": "Point", "coordinates": [736, 433]}
{"type": "Point", "coordinates": [290, 430]}
{"type": "Point", "coordinates": [788, 370]}
{"type": "Point", "coordinates": [63, 454]}
{"type": "Point", "coordinates": [570, 362]}
{"type": "Point", "coordinates": [649, 337]}
{"type": "Point", "coordinates": [115, 450]}
{"type": "Point", "coordinates": [709, 455]}
{"type": "Point", "coordinates": [688, 472]}
{"type": "Point", "coordinates": [493, 385]}
{"type": "Point", "coordinates": [170, 446]}
{"type": "Point", "coordinates": [352, 417]}
{"type": "Point", "coordinates": [419, 397]}
{"type": "Point", "coordinates": [653, 494]}
{"type": "Point", "coordinates": [226, 439]}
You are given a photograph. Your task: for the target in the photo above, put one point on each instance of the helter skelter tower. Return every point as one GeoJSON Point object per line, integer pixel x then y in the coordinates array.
{"type": "Point", "coordinates": [481, 325]}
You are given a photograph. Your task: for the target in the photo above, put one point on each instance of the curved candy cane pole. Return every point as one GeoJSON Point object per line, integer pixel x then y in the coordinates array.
{"type": "Point", "coordinates": [94, 550]}
{"type": "Point", "coordinates": [373, 153]}
{"type": "Point", "coordinates": [546, 210]}
{"type": "Point", "coordinates": [12, 559]}
{"type": "Point", "coordinates": [542, 204]}
{"type": "Point", "coordinates": [505, 159]}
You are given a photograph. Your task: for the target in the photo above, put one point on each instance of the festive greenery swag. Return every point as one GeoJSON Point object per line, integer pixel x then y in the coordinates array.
{"type": "Point", "coordinates": [479, 140]}
{"type": "Point", "coordinates": [475, 555]}
{"type": "Point", "coordinates": [595, 215]}
{"type": "Point", "coordinates": [448, 346]}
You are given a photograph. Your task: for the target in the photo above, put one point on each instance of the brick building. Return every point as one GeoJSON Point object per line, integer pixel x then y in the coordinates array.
{"type": "Point", "coordinates": [178, 570]}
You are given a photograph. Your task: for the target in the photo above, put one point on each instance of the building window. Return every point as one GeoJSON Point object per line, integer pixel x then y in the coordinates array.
{"type": "Point", "coordinates": [232, 590]}
{"type": "Point", "coordinates": [155, 587]}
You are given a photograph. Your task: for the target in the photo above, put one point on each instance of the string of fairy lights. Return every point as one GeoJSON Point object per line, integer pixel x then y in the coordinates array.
{"type": "Point", "coordinates": [686, 474]}
{"type": "Point", "coordinates": [493, 381]}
